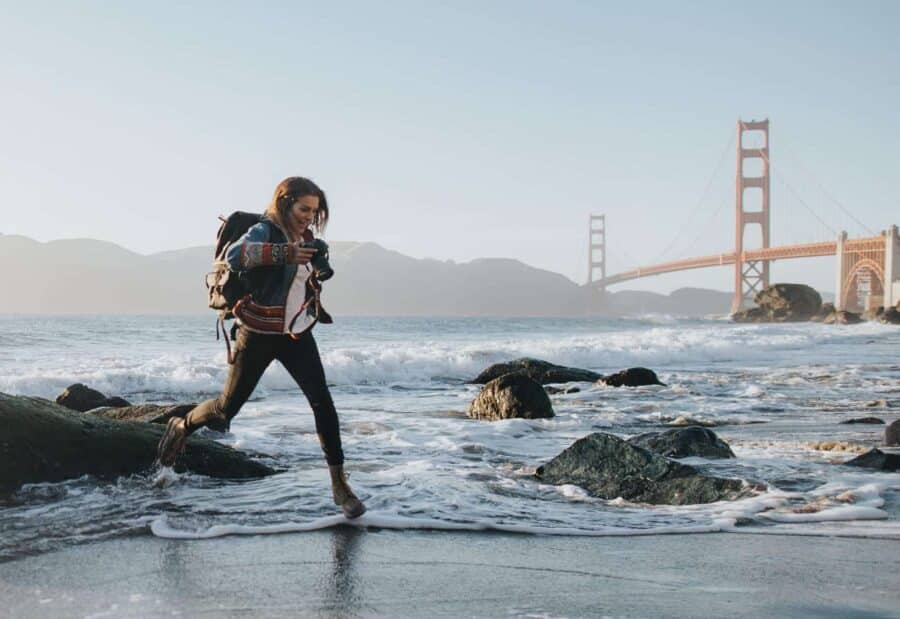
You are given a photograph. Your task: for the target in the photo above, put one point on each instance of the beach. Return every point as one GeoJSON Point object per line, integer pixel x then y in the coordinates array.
{"type": "Point", "coordinates": [350, 572]}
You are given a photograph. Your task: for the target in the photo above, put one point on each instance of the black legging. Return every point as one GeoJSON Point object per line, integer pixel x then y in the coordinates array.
{"type": "Point", "coordinates": [253, 353]}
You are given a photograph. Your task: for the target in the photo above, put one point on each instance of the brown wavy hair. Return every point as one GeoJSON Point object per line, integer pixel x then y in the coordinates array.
{"type": "Point", "coordinates": [289, 191]}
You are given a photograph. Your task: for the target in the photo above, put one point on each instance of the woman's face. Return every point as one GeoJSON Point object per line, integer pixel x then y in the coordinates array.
{"type": "Point", "coordinates": [303, 211]}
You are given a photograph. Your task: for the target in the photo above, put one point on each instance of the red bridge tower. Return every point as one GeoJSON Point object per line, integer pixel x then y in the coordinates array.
{"type": "Point", "coordinates": [750, 276]}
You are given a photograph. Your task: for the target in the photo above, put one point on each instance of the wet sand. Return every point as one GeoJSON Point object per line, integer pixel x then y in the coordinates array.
{"type": "Point", "coordinates": [350, 572]}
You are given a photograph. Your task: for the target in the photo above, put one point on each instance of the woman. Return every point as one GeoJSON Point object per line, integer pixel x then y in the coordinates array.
{"type": "Point", "coordinates": [269, 256]}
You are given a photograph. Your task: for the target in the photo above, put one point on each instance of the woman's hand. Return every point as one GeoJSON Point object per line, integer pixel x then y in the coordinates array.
{"type": "Point", "coordinates": [298, 254]}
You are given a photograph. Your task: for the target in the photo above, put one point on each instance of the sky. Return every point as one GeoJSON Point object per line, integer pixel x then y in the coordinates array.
{"type": "Point", "coordinates": [453, 130]}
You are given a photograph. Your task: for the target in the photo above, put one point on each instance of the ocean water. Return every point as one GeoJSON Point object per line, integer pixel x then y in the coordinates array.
{"type": "Point", "coordinates": [776, 393]}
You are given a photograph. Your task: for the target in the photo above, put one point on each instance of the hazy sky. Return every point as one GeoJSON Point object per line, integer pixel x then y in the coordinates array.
{"type": "Point", "coordinates": [452, 130]}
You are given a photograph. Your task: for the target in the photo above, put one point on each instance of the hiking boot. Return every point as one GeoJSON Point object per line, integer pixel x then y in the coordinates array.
{"type": "Point", "coordinates": [172, 442]}
{"type": "Point", "coordinates": [343, 495]}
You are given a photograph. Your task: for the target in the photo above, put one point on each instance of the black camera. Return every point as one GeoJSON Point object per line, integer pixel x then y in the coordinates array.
{"type": "Point", "coordinates": [319, 260]}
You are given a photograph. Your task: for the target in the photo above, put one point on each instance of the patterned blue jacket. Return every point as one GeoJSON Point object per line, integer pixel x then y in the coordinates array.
{"type": "Point", "coordinates": [261, 258]}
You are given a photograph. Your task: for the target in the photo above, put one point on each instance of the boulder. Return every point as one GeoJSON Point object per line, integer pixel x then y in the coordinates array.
{"type": "Point", "coordinates": [863, 420]}
{"type": "Point", "coordinates": [632, 377]}
{"type": "Point", "coordinates": [892, 434]}
{"type": "Point", "coordinates": [842, 317]}
{"type": "Point", "coordinates": [876, 459]}
{"type": "Point", "coordinates": [82, 398]}
{"type": "Point", "coordinates": [789, 302]}
{"type": "Point", "coordinates": [890, 316]}
{"type": "Point", "coordinates": [608, 467]}
{"type": "Point", "coordinates": [509, 397]}
{"type": "Point", "coordinates": [536, 369]}
{"type": "Point", "coordinates": [43, 442]}
{"type": "Point", "coordinates": [824, 312]}
{"type": "Point", "coordinates": [683, 443]}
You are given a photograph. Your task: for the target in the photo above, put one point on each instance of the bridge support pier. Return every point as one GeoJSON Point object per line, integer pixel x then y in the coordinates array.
{"type": "Point", "coordinates": [891, 267]}
{"type": "Point", "coordinates": [840, 271]}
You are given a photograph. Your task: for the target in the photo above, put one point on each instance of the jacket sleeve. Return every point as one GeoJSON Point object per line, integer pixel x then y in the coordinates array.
{"type": "Point", "coordinates": [253, 250]}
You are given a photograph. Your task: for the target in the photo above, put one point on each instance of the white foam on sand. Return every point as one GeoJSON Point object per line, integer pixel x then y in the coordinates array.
{"type": "Point", "coordinates": [162, 528]}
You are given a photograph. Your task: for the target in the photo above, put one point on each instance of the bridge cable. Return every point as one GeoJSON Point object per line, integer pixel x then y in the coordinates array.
{"type": "Point", "coordinates": [828, 195]}
{"type": "Point", "coordinates": [699, 203]}
{"type": "Point", "coordinates": [797, 196]}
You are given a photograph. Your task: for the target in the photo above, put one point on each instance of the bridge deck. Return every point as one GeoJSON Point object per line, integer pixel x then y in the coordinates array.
{"type": "Point", "coordinates": [783, 252]}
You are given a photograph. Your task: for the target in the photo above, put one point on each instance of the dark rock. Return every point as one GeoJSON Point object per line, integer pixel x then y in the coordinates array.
{"type": "Point", "coordinates": [876, 459]}
{"type": "Point", "coordinates": [557, 390]}
{"type": "Point", "coordinates": [824, 312]}
{"type": "Point", "coordinates": [536, 369]}
{"type": "Point", "coordinates": [864, 420]}
{"type": "Point", "coordinates": [842, 317]}
{"type": "Point", "coordinates": [632, 377]}
{"type": "Point", "coordinates": [609, 467]}
{"type": "Point", "coordinates": [82, 398]}
{"type": "Point", "coordinates": [511, 396]}
{"type": "Point", "coordinates": [783, 303]}
{"type": "Point", "coordinates": [873, 313]}
{"type": "Point", "coordinates": [754, 314]}
{"type": "Point", "coordinates": [149, 413]}
{"type": "Point", "coordinates": [683, 443]}
{"type": "Point", "coordinates": [789, 302]}
{"type": "Point", "coordinates": [43, 442]}
{"type": "Point", "coordinates": [890, 316]}
{"type": "Point", "coordinates": [892, 434]}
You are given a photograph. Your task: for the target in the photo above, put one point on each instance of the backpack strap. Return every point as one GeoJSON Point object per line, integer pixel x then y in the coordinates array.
{"type": "Point", "coordinates": [220, 324]}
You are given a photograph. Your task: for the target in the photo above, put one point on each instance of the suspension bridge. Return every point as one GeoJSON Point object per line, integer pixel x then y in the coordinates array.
{"type": "Point", "coordinates": [867, 267]}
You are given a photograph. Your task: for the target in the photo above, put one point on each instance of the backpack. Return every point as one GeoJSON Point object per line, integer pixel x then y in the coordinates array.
{"type": "Point", "coordinates": [224, 287]}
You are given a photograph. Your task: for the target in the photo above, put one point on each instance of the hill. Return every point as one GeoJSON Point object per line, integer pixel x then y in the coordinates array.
{"type": "Point", "coordinates": [91, 276]}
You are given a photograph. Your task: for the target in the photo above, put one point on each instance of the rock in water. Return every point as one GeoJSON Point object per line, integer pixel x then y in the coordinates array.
{"type": "Point", "coordinates": [149, 413]}
{"type": "Point", "coordinates": [82, 398]}
{"type": "Point", "coordinates": [892, 434]}
{"type": "Point", "coordinates": [873, 313]}
{"type": "Point", "coordinates": [632, 377]}
{"type": "Point", "coordinates": [683, 443]}
{"type": "Point", "coordinates": [890, 316]}
{"type": "Point", "coordinates": [783, 303]}
{"type": "Point", "coordinates": [43, 442]}
{"type": "Point", "coordinates": [754, 314]}
{"type": "Point", "coordinates": [536, 369]}
{"type": "Point", "coordinates": [824, 312]}
{"type": "Point", "coordinates": [789, 302]}
{"type": "Point", "coordinates": [550, 389]}
{"type": "Point", "coordinates": [156, 413]}
{"type": "Point", "coordinates": [608, 467]}
{"type": "Point", "coordinates": [876, 459]}
{"type": "Point", "coordinates": [842, 317]}
{"type": "Point", "coordinates": [511, 396]}
{"type": "Point", "coordinates": [863, 420]}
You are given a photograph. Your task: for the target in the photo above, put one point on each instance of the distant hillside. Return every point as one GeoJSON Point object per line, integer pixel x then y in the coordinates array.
{"type": "Point", "coordinates": [90, 276]}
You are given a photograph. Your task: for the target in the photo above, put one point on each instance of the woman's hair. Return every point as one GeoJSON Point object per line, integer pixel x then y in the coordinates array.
{"type": "Point", "coordinates": [289, 191]}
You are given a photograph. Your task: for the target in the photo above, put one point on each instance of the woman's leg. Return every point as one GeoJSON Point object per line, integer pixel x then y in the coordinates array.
{"type": "Point", "coordinates": [301, 359]}
{"type": "Point", "coordinates": [253, 352]}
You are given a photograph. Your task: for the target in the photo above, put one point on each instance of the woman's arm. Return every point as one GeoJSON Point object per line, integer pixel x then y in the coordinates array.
{"type": "Point", "coordinates": [253, 250]}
